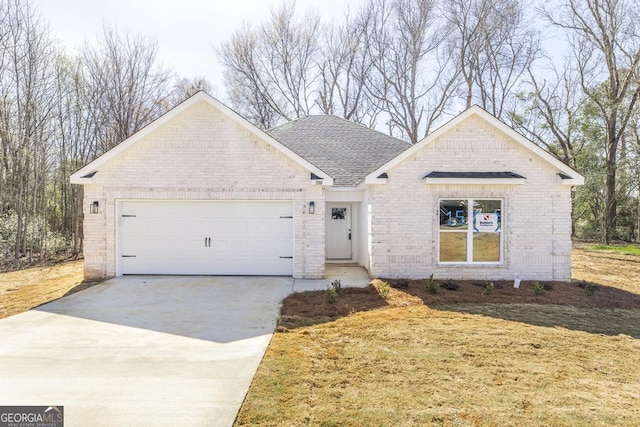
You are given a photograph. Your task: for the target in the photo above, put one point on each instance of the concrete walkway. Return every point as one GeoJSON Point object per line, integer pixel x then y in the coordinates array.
{"type": "Point", "coordinates": [349, 276]}
{"type": "Point", "coordinates": [147, 350]}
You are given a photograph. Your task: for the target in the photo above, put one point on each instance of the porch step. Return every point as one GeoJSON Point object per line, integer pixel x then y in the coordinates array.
{"type": "Point", "coordinates": [341, 264]}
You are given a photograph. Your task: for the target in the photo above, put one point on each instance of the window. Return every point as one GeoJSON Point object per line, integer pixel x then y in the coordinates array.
{"type": "Point", "coordinates": [338, 213]}
{"type": "Point", "coordinates": [470, 231]}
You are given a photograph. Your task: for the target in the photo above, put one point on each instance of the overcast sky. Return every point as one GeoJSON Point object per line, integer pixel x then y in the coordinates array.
{"type": "Point", "coordinates": [187, 30]}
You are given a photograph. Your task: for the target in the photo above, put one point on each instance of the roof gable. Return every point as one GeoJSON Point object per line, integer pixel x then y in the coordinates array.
{"type": "Point", "coordinates": [346, 150]}
{"type": "Point", "coordinates": [85, 174]}
{"type": "Point", "coordinates": [573, 177]}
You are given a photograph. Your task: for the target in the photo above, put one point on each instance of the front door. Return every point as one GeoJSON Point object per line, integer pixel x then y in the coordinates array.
{"type": "Point", "coordinates": [338, 232]}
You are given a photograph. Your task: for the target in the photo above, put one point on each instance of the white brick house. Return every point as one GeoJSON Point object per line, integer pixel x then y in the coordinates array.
{"type": "Point", "coordinates": [202, 191]}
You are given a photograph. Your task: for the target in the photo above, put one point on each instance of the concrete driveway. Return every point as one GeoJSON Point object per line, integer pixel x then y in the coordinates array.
{"type": "Point", "coordinates": [143, 350]}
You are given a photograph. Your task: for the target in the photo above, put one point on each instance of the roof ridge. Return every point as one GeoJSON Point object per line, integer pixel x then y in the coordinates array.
{"type": "Point", "coordinates": [342, 119]}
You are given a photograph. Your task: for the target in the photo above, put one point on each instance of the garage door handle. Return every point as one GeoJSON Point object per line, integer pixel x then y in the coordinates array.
{"type": "Point", "coordinates": [207, 242]}
{"type": "Point", "coordinates": [286, 257]}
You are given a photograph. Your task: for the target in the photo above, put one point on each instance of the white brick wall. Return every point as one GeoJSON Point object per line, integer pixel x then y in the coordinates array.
{"type": "Point", "coordinates": [201, 154]}
{"type": "Point", "coordinates": [537, 215]}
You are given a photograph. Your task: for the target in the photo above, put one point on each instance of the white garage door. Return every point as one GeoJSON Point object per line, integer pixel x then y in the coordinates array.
{"type": "Point", "coordinates": [218, 238]}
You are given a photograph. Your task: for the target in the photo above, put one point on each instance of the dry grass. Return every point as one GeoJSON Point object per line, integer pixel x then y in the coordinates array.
{"type": "Point", "coordinates": [25, 289]}
{"type": "Point", "coordinates": [453, 358]}
{"type": "Point", "coordinates": [608, 268]}
{"type": "Point", "coordinates": [420, 359]}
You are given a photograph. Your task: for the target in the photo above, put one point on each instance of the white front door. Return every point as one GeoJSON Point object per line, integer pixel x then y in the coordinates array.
{"type": "Point", "coordinates": [339, 232]}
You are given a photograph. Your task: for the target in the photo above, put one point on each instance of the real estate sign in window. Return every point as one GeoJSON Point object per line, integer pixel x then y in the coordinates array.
{"type": "Point", "coordinates": [470, 231]}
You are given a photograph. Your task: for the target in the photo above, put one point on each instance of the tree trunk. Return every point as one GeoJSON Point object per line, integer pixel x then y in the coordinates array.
{"type": "Point", "coordinates": [610, 202]}
{"type": "Point", "coordinates": [18, 248]}
{"type": "Point", "coordinates": [77, 223]}
{"type": "Point", "coordinates": [573, 212]}
{"type": "Point", "coordinates": [638, 221]}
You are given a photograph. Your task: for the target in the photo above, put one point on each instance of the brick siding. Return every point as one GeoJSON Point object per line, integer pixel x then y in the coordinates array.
{"type": "Point", "coordinates": [537, 215]}
{"type": "Point", "coordinates": [201, 154]}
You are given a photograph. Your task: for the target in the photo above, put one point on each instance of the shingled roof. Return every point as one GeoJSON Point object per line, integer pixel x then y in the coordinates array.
{"type": "Point", "coordinates": [345, 150]}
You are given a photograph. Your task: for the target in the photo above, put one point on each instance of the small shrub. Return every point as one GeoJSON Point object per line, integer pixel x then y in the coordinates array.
{"type": "Point", "coordinates": [399, 284]}
{"type": "Point", "coordinates": [538, 288]}
{"type": "Point", "coordinates": [488, 288]}
{"type": "Point", "coordinates": [336, 285]}
{"type": "Point", "coordinates": [383, 289]}
{"type": "Point", "coordinates": [431, 285]}
{"type": "Point", "coordinates": [589, 289]}
{"type": "Point", "coordinates": [331, 295]}
{"type": "Point", "coordinates": [450, 286]}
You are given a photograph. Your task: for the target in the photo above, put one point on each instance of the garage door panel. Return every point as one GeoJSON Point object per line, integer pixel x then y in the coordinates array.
{"type": "Point", "coordinates": [156, 248]}
{"type": "Point", "coordinates": [274, 247]}
{"type": "Point", "coordinates": [240, 226]}
{"type": "Point", "coordinates": [190, 237]}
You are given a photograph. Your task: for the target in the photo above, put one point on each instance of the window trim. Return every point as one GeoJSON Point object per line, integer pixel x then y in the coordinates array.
{"type": "Point", "coordinates": [469, 233]}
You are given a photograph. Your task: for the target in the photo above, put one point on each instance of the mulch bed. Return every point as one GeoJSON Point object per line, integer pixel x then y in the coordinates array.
{"type": "Point", "coordinates": [313, 306]}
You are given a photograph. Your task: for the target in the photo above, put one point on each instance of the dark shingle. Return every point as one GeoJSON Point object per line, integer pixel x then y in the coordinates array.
{"type": "Point", "coordinates": [345, 150]}
{"type": "Point", "coordinates": [485, 175]}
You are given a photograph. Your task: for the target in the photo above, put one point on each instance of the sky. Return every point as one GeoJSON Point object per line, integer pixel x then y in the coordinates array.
{"type": "Point", "coordinates": [187, 31]}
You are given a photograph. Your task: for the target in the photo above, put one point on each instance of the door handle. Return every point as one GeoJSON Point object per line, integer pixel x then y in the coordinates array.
{"type": "Point", "coordinates": [349, 234]}
{"type": "Point", "coordinates": [207, 242]}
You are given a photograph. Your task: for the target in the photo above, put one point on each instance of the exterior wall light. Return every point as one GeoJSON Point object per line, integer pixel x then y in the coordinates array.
{"type": "Point", "coordinates": [93, 207]}
{"type": "Point", "coordinates": [312, 207]}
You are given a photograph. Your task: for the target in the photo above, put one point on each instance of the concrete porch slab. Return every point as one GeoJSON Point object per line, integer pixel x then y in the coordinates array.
{"type": "Point", "coordinates": [349, 276]}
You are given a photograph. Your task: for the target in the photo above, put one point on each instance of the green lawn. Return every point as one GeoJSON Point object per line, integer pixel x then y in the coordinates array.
{"type": "Point", "coordinates": [626, 249]}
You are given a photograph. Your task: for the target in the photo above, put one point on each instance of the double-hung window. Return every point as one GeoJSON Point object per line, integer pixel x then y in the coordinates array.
{"type": "Point", "coordinates": [470, 231]}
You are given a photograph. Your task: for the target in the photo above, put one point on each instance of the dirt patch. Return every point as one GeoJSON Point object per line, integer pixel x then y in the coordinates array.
{"type": "Point", "coordinates": [23, 290]}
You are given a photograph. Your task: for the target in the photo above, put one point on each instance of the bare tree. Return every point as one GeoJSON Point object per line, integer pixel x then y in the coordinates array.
{"type": "Point", "coordinates": [57, 113]}
{"type": "Point", "coordinates": [606, 48]}
{"type": "Point", "coordinates": [495, 47]}
{"type": "Point", "coordinates": [75, 141]}
{"type": "Point", "coordinates": [634, 169]}
{"type": "Point", "coordinates": [555, 120]}
{"type": "Point", "coordinates": [126, 88]}
{"type": "Point", "coordinates": [271, 71]}
{"type": "Point", "coordinates": [412, 74]}
{"type": "Point", "coordinates": [27, 94]}
{"type": "Point", "coordinates": [344, 68]}
{"type": "Point", "coordinates": [184, 88]}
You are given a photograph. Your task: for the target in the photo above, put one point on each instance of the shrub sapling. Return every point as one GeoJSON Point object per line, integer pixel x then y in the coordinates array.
{"type": "Point", "coordinates": [383, 289]}
{"type": "Point", "coordinates": [431, 285]}
{"type": "Point", "coordinates": [538, 288]}
{"type": "Point", "coordinates": [488, 288]}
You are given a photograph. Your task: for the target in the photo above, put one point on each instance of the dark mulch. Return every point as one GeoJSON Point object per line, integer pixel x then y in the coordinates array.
{"type": "Point", "coordinates": [562, 293]}
{"type": "Point", "coordinates": [312, 307]}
